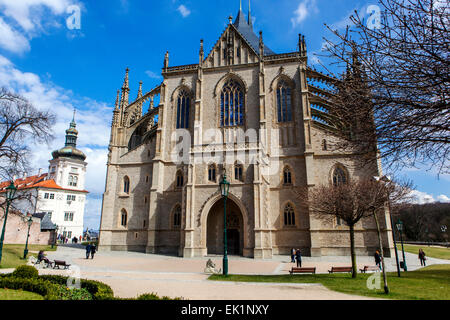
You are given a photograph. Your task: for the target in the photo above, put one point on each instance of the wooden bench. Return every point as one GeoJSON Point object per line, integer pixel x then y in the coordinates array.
{"type": "Point", "coordinates": [302, 270]}
{"type": "Point", "coordinates": [340, 269]}
{"type": "Point", "coordinates": [45, 262]}
{"type": "Point", "coordinates": [369, 268]}
{"type": "Point", "coordinates": [58, 263]}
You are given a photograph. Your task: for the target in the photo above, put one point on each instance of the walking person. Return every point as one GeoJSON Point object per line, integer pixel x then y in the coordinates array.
{"type": "Point", "coordinates": [377, 259]}
{"type": "Point", "coordinates": [298, 256]}
{"type": "Point", "coordinates": [88, 250]}
{"type": "Point", "coordinates": [93, 250]}
{"type": "Point", "coordinates": [422, 257]}
{"type": "Point", "coordinates": [293, 255]}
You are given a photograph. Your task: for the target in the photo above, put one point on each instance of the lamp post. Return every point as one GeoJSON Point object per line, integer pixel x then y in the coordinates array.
{"type": "Point", "coordinates": [30, 223]}
{"type": "Point", "coordinates": [400, 229]}
{"type": "Point", "coordinates": [444, 230]}
{"type": "Point", "coordinates": [55, 236]}
{"type": "Point", "coordinates": [224, 189]}
{"type": "Point", "coordinates": [10, 193]}
{"type": "Point", "coordinates": [387, 179]}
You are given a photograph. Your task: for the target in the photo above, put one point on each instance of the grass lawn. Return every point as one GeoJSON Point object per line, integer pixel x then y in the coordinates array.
{"type": "Point", "coordinates": [433, 252]}
{"type": "Point", "coordinates": [430, 283]}
{"type": "Point", "coordinates": [8, 294]}
{"type": "Point", "coordinates": [12, 255]}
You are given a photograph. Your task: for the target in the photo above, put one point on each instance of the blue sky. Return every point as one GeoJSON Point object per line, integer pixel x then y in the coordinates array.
{"type": "Point", "coordinates": [59, 68]}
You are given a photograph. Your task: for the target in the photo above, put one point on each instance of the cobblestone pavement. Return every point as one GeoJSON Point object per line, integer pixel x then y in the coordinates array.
{"type": "Point", "coordinates": [131, 273]}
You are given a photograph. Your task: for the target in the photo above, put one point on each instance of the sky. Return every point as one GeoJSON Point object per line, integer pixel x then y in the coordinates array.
{"type": "Point", "coordinates": [66, 54]}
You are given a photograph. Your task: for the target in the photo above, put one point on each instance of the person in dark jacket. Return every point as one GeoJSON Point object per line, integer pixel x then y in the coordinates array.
{"type": "Point", "coordinates": [88, 250]}
{"type": "Point", "coordinates": [377, 259]}
{"type": "Point", "coordinates": [422, 257]}
{"type": "Point", "coordinates": [298, 256]}
{"type": "Point", "coordinates": [293, 255]}
{"type": "Point", "coordinates": [93, 250]}
{"type": "Point", "coordinates": [40, 256]}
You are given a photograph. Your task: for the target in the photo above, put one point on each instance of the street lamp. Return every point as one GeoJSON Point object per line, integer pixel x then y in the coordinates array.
{"type": "Point", "coordinates": [55, 236]}
{"type": "Point", "coordinates": [400, 229]}
{"type": "Point", "coordinates": [444, 230]}
{"type": "Point", "coordinates": [224, 189]}
{"type": "Point", "coordinates": [10, 193]}
{"type": "Point", "coordinates": [29, 222]}
{"type": "Point", "coordinates": [387, 179]}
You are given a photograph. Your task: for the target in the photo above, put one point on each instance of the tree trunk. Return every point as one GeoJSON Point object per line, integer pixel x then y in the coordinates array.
{"type": "Point", "coordinates": [386, 289]}
{"type": "Point", "coordinates": [352, 249]}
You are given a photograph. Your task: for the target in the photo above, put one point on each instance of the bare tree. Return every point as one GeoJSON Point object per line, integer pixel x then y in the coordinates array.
{"type": "Point", "coordinates": [407, 65]}
{"type": "Point", "coordinates": [351, 202]}
{"type": "Point", "coordinates": [21, 125]}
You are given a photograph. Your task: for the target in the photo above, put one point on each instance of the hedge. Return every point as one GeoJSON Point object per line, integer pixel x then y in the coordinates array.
{"type": "Point", "coordinates": [45, 288]}
{"type": "Point", "coordinates": [97, 289]}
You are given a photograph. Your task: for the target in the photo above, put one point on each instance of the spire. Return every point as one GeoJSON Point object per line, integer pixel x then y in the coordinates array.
{"type": "Point", "coordinates": [72, 133]}
{"type": "Point", "coordinates": [240, 19]}
{"type": "Point", "coordinates": [116, 107]}
{"type": "Point", "coordinates": [74, 111]}
{"type": "Point", "coordinates": [125, 90]}
{"type": "Point", "coordinates": [166, 60]}
{"type": "Point", "coordinates": [125, 81]}
{"type": "Point", "coordinates": [250, 22]}
{"type": "Point", "coordinates": [140, 90]}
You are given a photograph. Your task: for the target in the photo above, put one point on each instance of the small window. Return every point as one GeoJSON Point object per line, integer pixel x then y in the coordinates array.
{"type": "Point", "coordinates": [289, 215]}
{"type": "Point", "coordinates": [52, 196]}
{"type": "Point", "coordinates": [180, 179]}
{"type": "Point", "coordinates": [68, 216]}
{"type": "Point", "coordinates": [126, 184]}
{"type": "Point", "coordinates": [324, 145]}
{"type": "Point", "coordinates": [177, 217]}
{"type": "Point", "coordinates": [338, 221]}
{"type": "Point", "coordinates": [123, 218]}
{"type": "Point", "coordinates": [146, 179]}
{"type": "Point", "coordinates": [69, 234]}
{"type": "Point", "coordinates": [212, 172]}
{"type": "Point", "coordinates": [145, 199]}
{"type": "Point", "coordinates": [144, 223]}
{"type": "Point", "coordinates": [73, 181]}
{"type": "Point", "coordinates": [45, 195]}
{"type": "Point", "coordinates": [287, 176]}
{"type": "Point", "coordinates": [238, 172]}
{"type": "Point", "coordinates": [339, 176]}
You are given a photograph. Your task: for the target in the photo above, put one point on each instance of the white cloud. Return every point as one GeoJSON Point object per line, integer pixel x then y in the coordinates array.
{"type": "Point", "coordinates": [152, 75]}
{"type": "Point", "coordinates": [184, 11]}
{"type": "Point", "coordinates": [443, 198]}
{"type": "Point", "coordinates": [21, 20]}
{"type": "Point", "coordinates": [303, 10]}
{"type": "Point", "coordinates": [93, 123]}
{"type": "Point", "coordinates": [419, 197]}
{"type": "Point", "coordinates": [12, 40]}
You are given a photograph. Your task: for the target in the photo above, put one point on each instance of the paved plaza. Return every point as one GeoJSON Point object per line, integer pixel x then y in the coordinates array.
{"type": "Point", "coordinates": [130, 274]}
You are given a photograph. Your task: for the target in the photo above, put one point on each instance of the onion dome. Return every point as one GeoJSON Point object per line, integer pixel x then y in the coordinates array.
{"type": "Point", "coordinates": [70, 148]}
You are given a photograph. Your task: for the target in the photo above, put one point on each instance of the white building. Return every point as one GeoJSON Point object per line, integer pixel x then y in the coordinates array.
{"type": "Point", "coordinates": [60, 192]}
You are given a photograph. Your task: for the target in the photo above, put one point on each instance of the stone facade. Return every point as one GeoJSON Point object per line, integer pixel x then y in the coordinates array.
{"type": "Point", "coordinates": [146, 207]}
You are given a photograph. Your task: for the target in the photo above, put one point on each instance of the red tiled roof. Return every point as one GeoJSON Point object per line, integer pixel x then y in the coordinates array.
{"type": "Point", "coordinates": [34, 182]}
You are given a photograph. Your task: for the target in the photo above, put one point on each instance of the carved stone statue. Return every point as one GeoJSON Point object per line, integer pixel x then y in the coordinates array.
{"type": "Point", "coordinates": [211, 267]}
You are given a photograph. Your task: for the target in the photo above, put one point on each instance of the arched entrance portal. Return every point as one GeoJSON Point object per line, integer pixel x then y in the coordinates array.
{"type": "Point", "coordinates": [235, 229]}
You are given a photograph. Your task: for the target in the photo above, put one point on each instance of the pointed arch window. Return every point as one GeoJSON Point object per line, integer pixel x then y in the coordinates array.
{"type": "Point", "coordinates": [123, 218]}
{"type": "Point", "coordinates": [126, 184]}
{"type": "Point", "coordinates": [284, 102]}
{"type": "Point", "coordinates": [231, 104]}
{"type": "Point", "coordinates": [212, 172]}
{"type": "Point", "coordinates": [339, 176]}
{"type": "Point", "coordinates": [238, 172]}
{"type": "Point", "coordinates": [183, 106]}
{"type": "Point", "coordinates": [180, 179]}
{"type": "Point", "coordinates": [177, 217]}
{"type": "Point", "coordinates": [289, 215]}
{"type": "Point", "coordinates": [287, 176]}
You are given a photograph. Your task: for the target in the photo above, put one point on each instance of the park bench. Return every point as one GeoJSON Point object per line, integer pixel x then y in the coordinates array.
{"type": "Point", "coordinates": [302, 270]}
{"type": "Point", "coordinates": [58, 263]}
{"type": "Point", "coordinates": [45, 262]}
{"type": "Point", "coordinates": [340, 269]}
{"type": "Point", "coordinates": [369, 268]}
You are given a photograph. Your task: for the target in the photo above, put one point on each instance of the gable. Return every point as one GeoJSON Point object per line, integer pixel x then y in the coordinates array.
{"type": "Point", "coordinates": [232, 48]}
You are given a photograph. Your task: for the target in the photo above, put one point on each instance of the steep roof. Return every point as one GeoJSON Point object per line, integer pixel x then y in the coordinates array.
{"type": "Point", "coordinates": [248, 34]}
{"type": "Point", "coordinates": [36, 181]}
